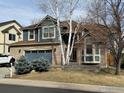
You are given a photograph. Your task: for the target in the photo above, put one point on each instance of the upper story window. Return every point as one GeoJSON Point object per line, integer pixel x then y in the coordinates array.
{"type": "Point", "coordinates": [89, 49]}
{"type": "Point", "coordinates": [48, 32]}
{"type": "Point", "coordinates": [97, 52]}
{"type": "Point", "coordinates": [89, 53]}
{"type": "Point", "coordinates": [31, 35]}
{"type": "Point", "coordinates": [12, 37]}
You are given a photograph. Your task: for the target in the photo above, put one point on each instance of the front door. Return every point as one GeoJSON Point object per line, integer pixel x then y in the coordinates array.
{"type": "Point", "coordinates": [74, 56]}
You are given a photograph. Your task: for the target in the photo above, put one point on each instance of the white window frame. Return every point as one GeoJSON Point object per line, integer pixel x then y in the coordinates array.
{"type": "Point", "coordinates": [97, 54]}
{"type": "Point", "coordinates": [12, 37]}
{"type": "Point", "coordinates": [93, 54]}
{"type": "Point", "coordinates": [85, 54]}
{"type": "Point", "coordinates": [48, 28]}
{"type": "Point", "coordinates": [33, 35]}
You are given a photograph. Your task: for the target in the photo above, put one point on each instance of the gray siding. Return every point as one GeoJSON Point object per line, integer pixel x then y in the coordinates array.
{"type": "Point", "coordinates": [25, 35]}
{"type": "Point", "coordinates": [36, 35]}
{"type": "Point", "coordinates": [48, 23]}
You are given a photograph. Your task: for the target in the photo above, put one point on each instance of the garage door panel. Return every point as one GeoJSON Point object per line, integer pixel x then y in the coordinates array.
{"type": "Point", "coordinates": [39, 54]}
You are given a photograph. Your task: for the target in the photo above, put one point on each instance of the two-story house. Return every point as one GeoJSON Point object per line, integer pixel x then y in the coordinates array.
{"type": "Point", "coordinates": [42, 40]}
{"type": "Point", "coordinates": [9, 33]}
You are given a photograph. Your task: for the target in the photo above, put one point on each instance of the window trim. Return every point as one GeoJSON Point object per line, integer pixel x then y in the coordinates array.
{"type": "Point", "coordinates": [87, 49]}
{"type": "Point", "coordinates": [94, 53]}
{"type": "Point", "coordinates": [29, 35]}
{"type": "Point", "coordinates": [12, 38]}
{"type": "Point", "coordinates": [48, 28]}
{"type": "Point", "coordinates": [86, 55]}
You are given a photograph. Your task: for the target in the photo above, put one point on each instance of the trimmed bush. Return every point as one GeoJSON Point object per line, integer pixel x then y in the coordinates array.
{"type": "Point", "coordinates": [23, 66]}
{"type": "Point", "coordinates": [40, 65]}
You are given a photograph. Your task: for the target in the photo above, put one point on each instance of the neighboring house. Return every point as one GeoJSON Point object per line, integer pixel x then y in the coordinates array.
{"type": "Point", "coordinates": [42, 40]}
{"type": "Point", "coordinates": [9, 33]}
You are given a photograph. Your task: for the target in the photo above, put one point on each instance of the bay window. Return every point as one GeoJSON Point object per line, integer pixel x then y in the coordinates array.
{"type": "Point", "coordinates": [91, 53]}
{"type": "Point", "coordinates": [89, 58]}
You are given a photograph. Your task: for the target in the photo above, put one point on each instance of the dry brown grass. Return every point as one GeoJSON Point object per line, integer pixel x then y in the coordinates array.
{"type": "Point", "coordinates": [81, 77]}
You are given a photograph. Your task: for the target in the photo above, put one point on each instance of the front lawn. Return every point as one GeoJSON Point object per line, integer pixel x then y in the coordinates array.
{"type": "Point", "coordinates": [81, 77]}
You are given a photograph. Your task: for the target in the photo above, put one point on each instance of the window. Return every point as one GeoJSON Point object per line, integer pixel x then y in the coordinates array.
{"type": "Point", "coordinates": [91, 53]}
{"type": "Point", "coordinates": [48, 32]}
{"type": "Point", "coordinates": [97, 49]}
{"type": "Point", "coordinates": [89, 49]}
{"type": "Point", "coordinates": [12, 37]}
{"type": "Point", "coordinates": [31, 34]}
{"type": "Point", "coordinates": [27, 51]}
{"type": "Point", "coordinates": [48, 51]}
{"type": "Point", "coordinates": [8, 49]}
{"type": "Point", "coordinates": [34, 51]}
{"type": "Point", "coordinates": [89, 58]}
{"type": "Point", "coordinates": [65, 29]}
{"type": "Point", "coordinates": [96, 58]}
{"type": "Point", "coordinates": [41, 51]}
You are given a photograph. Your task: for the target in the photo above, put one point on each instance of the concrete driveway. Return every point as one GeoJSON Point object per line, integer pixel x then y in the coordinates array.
{"type": "Point", "coordinates": [5, 71]}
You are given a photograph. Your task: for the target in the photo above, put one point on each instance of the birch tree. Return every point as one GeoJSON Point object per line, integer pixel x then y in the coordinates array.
{"type": "Point", "coordinates": [54, 7]}
{"type": "Point", "coordinates": [111, 15]}
{"type": "Point", "coordinates": [72, 4]}
{"type": "Point", "coordinates": [60, 9]}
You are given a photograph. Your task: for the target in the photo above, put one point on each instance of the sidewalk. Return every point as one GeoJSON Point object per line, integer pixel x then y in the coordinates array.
{"type": "Point", "coordinates": [73, 86]}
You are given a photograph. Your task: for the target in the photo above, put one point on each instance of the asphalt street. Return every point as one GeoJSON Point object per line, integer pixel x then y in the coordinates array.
{"type": "Point", "coordinates": [24, 89]}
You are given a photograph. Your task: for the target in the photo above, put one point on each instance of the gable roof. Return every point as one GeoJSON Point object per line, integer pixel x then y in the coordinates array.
{"type": "Point", "coordinates": [29, 27]}
{"type": "Point", "coordinates": [99, 32]}
{"type": "Point", "coordinates": [95, 30]}
{"type": "Point", "coordinates": [9, 22]}
{"type": "Point", "coordinates": [37, 24]}
{"type": "Point", "coordinates": [47, 17]}
{"type": "Point", "coordinates": [11, 27]}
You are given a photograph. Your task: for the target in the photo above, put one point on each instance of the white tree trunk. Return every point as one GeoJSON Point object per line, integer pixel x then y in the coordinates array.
{"type": "Point", "coordinates": [60, 37]}
{"type": "Point", "coordinates": [72, 46]}
{"type": "Point", "coordinates": [73, 40]}
{"type": "Point", "coordinates": [56, 11]}
{"type": "Point", "coordinates": [71, 9]}
{"type": "Point", "coordinates": [61, 44]}
{"type": "Point", "coordinates": [69, 41]}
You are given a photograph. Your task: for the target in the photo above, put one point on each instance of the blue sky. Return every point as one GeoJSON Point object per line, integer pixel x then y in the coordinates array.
{"type": "Point", "coordinates": [21, 10]}
{"type": "Point", "coordinates": [24, 11]}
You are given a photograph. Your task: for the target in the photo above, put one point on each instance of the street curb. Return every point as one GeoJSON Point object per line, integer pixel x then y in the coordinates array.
{"type": "Point", "coordinates": [61, 85]}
